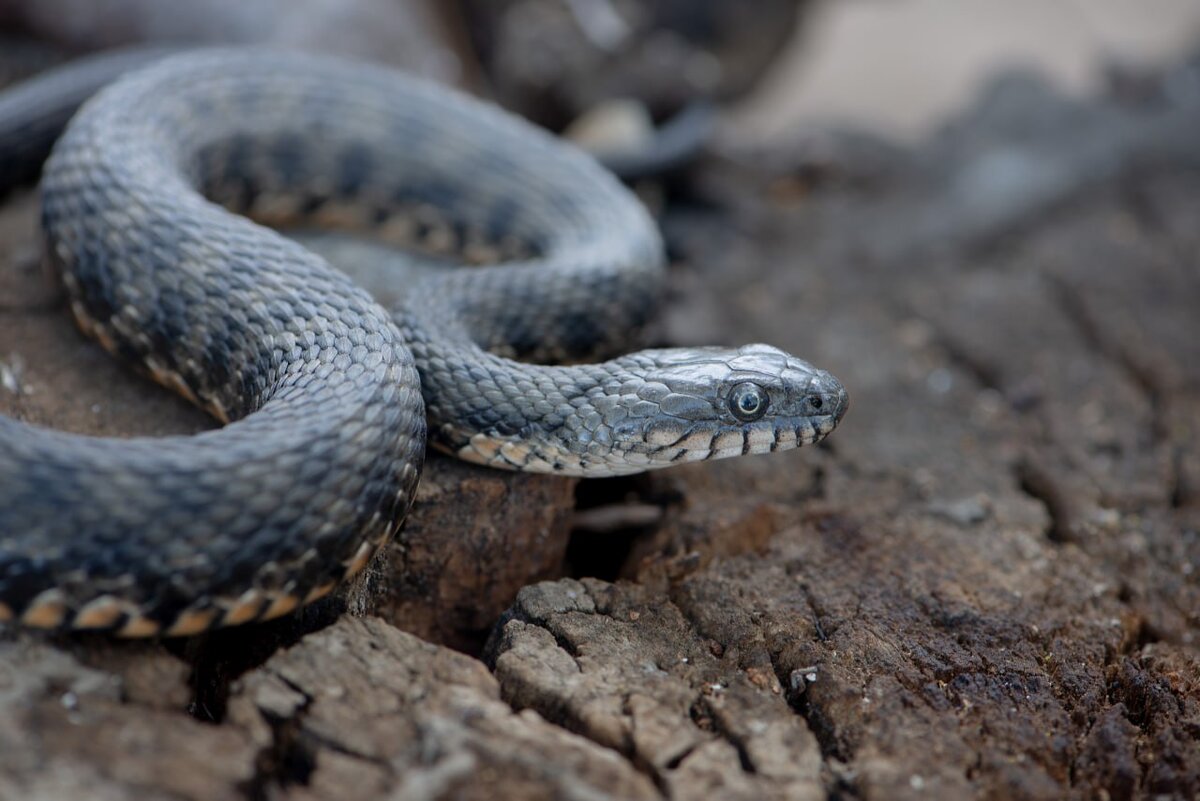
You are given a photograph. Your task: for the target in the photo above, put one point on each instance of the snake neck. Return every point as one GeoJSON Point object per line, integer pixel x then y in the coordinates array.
{"type": "Point", "coordinates": [489, 402]}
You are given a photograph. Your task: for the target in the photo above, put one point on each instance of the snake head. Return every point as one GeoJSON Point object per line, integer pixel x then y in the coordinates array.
{"type": "Point", "coordinates": [692, 404]}
{"type": "Point", "coordinates": [650, 409]}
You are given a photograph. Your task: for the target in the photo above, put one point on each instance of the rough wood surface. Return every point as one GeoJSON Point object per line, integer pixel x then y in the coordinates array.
{"type": "Point", "coordinates": [987, 585]}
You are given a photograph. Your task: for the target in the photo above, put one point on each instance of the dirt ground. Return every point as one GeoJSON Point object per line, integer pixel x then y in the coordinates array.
{"type": "Point", "coordinates": [986, 584]}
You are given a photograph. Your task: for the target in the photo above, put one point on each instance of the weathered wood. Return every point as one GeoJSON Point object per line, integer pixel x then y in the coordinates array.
{"type": "Point", "coordinates": [476, 537]}
{"type": "Point", "coordinates": [356, 710]}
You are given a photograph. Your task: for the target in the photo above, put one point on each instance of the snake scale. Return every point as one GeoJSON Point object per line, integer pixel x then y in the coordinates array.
{"type": "Point", "coordinates": [159, 204]}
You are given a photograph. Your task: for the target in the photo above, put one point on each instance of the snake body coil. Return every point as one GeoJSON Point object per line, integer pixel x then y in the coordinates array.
{"type": "Point", "coordinates": [154, 205]}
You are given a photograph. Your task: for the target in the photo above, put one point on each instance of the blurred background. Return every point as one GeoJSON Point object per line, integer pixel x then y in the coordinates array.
{"type": "Point", "coordinates": [777, 68]}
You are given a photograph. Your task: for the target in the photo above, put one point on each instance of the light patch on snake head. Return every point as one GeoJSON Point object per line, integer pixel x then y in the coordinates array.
{"type": "Point", "coordinates": [715, 402]}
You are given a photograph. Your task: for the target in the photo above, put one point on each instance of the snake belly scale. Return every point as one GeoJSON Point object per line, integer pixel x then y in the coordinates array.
{"type": "Point", "coordinates": [155, 205]}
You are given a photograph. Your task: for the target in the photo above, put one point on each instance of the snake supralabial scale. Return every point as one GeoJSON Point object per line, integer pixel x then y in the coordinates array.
{"type": "Point", "coordinates": [156, 206]}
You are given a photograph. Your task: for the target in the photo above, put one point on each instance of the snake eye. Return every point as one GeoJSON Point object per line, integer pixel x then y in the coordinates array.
{"type": "Point", "coordinates": [748, 402]}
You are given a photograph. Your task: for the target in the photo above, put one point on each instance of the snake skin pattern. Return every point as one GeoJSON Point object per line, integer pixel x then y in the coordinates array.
{"type": "Point", "coordinates": [155, 206]}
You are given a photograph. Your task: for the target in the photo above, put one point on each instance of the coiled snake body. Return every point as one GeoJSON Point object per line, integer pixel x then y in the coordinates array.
{"type": "Point", "coordinates": [155, 202]}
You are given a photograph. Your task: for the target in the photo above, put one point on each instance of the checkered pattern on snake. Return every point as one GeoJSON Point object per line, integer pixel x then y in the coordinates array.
{"type": "Point", "coordinates": [156, 206]}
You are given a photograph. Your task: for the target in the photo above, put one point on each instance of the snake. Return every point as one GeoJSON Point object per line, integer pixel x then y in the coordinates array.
{"type": "Point", "coordinates": [166, 205]}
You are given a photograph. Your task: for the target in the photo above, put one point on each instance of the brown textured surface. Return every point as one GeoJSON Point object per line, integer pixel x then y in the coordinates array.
{"type": "Point", "coordinates": [355, 710]}
{"type": "Point", "coordinates": [987, 586]}
{"type": "Point", "coordinates": [480, 536]}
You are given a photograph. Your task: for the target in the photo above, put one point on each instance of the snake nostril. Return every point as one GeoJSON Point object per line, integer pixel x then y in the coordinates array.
{"type": "Point", "coordinates": [816, 402]}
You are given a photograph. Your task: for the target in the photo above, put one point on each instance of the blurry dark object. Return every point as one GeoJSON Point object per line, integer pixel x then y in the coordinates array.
{"type": "Point", "coordinates": [552, 60]}
{"type": "Point", "coordinates": [622, 136]}
{"type": "Point", "coordinates": [31, 113]}
{"type": "Point", "coordinates": [404, 33]}
{"type": "Point", "coordinates": [642, 78]}
{"type": "Point", "coordinates": [20, 58]}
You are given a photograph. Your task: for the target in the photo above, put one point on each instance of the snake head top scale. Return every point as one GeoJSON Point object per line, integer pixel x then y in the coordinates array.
{"type": "Point", "coordinates": [657, 408]}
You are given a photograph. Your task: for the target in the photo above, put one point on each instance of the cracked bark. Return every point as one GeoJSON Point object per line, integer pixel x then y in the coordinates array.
{"type": "Point", "coordinates": [987, 586]}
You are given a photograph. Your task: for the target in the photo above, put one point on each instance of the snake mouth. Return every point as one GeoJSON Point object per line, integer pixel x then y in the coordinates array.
{"type": "Point", "coordinates": [703, 442]}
